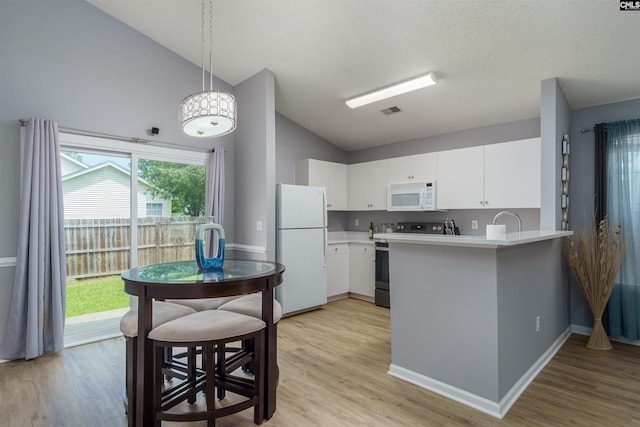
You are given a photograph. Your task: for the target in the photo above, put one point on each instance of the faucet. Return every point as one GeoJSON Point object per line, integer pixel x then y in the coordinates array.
{"type": "Point", "coordinates": [499, 214]}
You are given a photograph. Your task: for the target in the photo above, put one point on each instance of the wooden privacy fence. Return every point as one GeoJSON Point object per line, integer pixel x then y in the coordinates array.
{"type": "Point", "coordinates": [101, 247]}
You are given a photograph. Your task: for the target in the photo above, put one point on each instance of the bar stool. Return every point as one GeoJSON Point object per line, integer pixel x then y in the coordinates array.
{"type": "Point", "coordinates": [202, 304]}
{"type": "Point", "coordinates": [162, 312]}
{"type": "Point", "coordinates": [251, 305]}
{"type": "Point", "coordinates": [210, 329]}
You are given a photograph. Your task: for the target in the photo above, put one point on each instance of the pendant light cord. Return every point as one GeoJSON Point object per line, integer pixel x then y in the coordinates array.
{"type": "Point", "coordinates": [211, 45]}
{"type": "Point", "coordinates": [202, 39]}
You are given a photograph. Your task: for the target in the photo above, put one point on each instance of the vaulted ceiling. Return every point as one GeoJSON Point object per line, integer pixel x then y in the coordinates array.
{"type": "Point", "coordinates": [490, 56]}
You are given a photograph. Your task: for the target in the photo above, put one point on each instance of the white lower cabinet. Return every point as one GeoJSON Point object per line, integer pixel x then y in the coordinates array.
{"type": "Point", "coordinates": [337, 269]}
{"type": "Point", "coordinates": [362, 258]}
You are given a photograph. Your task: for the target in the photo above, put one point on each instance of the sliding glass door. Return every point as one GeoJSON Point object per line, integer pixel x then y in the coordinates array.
{"type": "Point", "coordinates": [158, 193]}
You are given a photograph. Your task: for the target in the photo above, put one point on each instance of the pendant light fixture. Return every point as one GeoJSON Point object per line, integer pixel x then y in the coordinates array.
{"type": "Point", "coordinates": [208, 113]}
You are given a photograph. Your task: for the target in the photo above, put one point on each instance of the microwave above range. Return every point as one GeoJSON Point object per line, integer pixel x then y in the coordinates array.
{"type": "Point", "coordinates": [412, 196]}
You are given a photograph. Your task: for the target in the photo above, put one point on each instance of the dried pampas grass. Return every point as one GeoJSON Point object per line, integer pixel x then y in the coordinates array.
{"type": "Point", "coordinates": [595, 254]}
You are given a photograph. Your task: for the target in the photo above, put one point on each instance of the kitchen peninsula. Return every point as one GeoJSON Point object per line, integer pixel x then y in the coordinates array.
{"type": "Point", "coordinates": [475, 319]}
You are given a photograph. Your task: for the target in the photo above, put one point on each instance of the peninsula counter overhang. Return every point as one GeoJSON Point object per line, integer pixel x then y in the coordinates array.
{"type": "Point", "coordinates": [511, 239]}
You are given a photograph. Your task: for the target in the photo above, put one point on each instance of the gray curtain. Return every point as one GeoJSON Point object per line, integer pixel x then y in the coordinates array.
{"type": "Point", "coordinates": [623, 207]}
{"type": "Point", "coordinates": [37, 312]}
{"type": "Point", "coordinates": [215, 192]}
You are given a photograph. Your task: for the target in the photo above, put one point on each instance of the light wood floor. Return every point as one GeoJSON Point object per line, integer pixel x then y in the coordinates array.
{"type": "Point", "coordinates": [333, 365]}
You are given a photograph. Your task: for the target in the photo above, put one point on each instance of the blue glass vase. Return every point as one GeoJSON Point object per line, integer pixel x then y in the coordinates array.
{"type": "Point", "coordinates": [203, 262]}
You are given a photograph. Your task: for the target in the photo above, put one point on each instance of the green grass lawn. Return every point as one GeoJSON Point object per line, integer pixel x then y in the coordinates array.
{"type": "Point", "coordinates": [94, 295]}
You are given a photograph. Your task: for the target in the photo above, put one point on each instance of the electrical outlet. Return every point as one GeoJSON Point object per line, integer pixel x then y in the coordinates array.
{"type": "Point", "coordinates": [357, 222]}
{"type": "Point", "coordinates": [474, 224]}
{"type": "Point", "coordinates": [537, 323]}
{"type": "Point", "coordinates": [259, 226]}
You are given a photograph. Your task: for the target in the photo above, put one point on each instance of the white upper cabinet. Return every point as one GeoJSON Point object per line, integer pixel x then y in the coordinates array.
{"type": "Point", "coordinates": [368, 185]}
{"type": "Point", "coordinates": [460, 179]}
{"type": "Point", "coordinates": [421, 167]}
{"type": "Point", "coordinates": [512, 174]}
{"type": "Point", "coordinates": [495, 176]}
{"type": "Point", "coordinates": [332, 176]}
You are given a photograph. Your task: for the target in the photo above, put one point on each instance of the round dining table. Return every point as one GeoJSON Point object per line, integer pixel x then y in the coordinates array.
{"type": "Point", "coordinates": [183, 280]}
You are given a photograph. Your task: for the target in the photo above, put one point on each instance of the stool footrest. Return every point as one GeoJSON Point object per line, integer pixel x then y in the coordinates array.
{"type": "Point", "coordinates": [237, 385]}
{"type": "Point", "coordinates": [206, 415]}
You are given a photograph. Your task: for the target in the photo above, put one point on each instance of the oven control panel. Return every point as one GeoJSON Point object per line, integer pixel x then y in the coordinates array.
{"type": "Point", "coordinates": [420, 227]}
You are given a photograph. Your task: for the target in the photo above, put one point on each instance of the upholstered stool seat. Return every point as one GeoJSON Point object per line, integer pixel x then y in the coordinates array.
{"type": "Point", "coordinates": [202, 304]}
{"type": "Point", "coordinates": [162, 312]}
{"type": "Point", "coordinates": [251, 305]}
{"type": "Point", "coordinates": [211, 329]}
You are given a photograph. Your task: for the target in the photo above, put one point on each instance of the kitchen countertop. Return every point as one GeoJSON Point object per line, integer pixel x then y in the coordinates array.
{"type": "Point", "coordinates": [336, 237]}
{"type": "Point", "coordinates": [512, 239]}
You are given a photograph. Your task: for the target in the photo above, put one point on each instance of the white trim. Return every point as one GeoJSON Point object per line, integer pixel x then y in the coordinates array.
{"type": "Point", "coordinates": [521, 385]}
{"type": "Point", "coordinates": [91, 337]}
{"type": "Point", "coordinates": [480, 403]}
{"type": "Point", "coordinates": [580, 330]}
{"type": "Point", "coordinates": [247, 248]}
{"type": "Point", "coordinates": [8, 262]}
{"type": "Point", "coordinates": [496, 409]}
{"type": "Point", "coordinates": [583, 330]}
{"type": "Point", "coordinates": [143, 150]}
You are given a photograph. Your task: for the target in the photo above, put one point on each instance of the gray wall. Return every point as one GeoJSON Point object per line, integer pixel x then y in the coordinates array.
{"type": "Point", "coordinates": [293, 143]}
{"type": "Point", "coordinates": [528, 287]}
{"type": "Point", "coordinates": [468, 315]}
{"type": "Point", "coordinates": [68, 61]}
{"type": "Point", "coordinates": [554, 123]}
{"type": "Point", "coordinates": [255, 163]}
{"type": "Point", "coordinates": [581, 185]}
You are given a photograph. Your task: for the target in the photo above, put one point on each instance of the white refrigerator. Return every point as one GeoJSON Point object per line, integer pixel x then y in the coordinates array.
{"type": "Point", "coordinates": [301, 241]}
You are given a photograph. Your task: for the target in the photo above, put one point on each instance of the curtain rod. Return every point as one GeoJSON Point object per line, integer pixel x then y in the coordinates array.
{"type": "Point", "coordinates": [74, 131]}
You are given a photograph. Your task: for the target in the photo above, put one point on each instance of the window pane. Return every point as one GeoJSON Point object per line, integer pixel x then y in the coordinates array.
{"type": "Point", "coordinates": [154, 209]}
{"type": "Point", "coordinates": [97, 210]}
{"type": "Point", "coordinates": [171, 203]}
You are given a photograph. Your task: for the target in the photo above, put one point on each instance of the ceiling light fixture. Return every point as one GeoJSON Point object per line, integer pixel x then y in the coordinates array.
{"type": "Point", "coordinates": [207, 113]}
{"type": "Point", "coordinates": [410, 85]}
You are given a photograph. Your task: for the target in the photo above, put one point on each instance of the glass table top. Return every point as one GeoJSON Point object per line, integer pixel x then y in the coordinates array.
{"type": "Point", "coordinates": [188, 272]}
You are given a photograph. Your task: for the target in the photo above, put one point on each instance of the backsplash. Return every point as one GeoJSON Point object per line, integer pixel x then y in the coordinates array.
{"type": "Point", "coordinates": [345, 221]}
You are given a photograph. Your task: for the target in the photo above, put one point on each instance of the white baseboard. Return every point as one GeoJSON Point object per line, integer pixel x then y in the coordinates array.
{"type": "Point", "coordinates": [583, 330]}
{"type": "Point", "coordinates": [337, 297]}
{"type": "Point", "coordinates": [495, 409]}
{"type": "Point", "coordinates": [8, 262]}
{"type": "Point", "coordinates": [361, 297]}
{"type": "Point", "coordinates": [476, 402]}
{"type": "Point", "coordinates": [521, 385]}
{"type": "Point", "coordinates": [247, 248]}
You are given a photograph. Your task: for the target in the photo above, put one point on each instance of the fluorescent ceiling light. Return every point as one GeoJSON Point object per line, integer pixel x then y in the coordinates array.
{"type": "Point", "coordinates": [416, 83]}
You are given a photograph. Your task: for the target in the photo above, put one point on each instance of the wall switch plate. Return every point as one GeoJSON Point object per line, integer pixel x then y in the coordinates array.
{"type": "Point", "coordinates": [259, 225]}
{"type": "Point", "coordinates": [357, 222]}
{"type": "Point", "coordinates": [474, 224]}
{"type": "Point", "coordinates": [537, 323]}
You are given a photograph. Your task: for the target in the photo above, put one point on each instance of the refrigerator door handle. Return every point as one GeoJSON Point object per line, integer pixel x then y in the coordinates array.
{"type": "Point", "coordinates": [326, 243]}
{"type": "Point", "coordinates": [324, 204]}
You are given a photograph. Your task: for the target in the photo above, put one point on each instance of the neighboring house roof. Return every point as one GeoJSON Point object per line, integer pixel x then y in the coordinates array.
{"type": "Point", "coordinates": [69, 164]}
{"type": "Point", "coordinates": [110, 164]}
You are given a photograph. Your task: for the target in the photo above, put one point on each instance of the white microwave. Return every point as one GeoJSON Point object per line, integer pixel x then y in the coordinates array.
{"type": "Point", "coordinates": [412, 196]}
